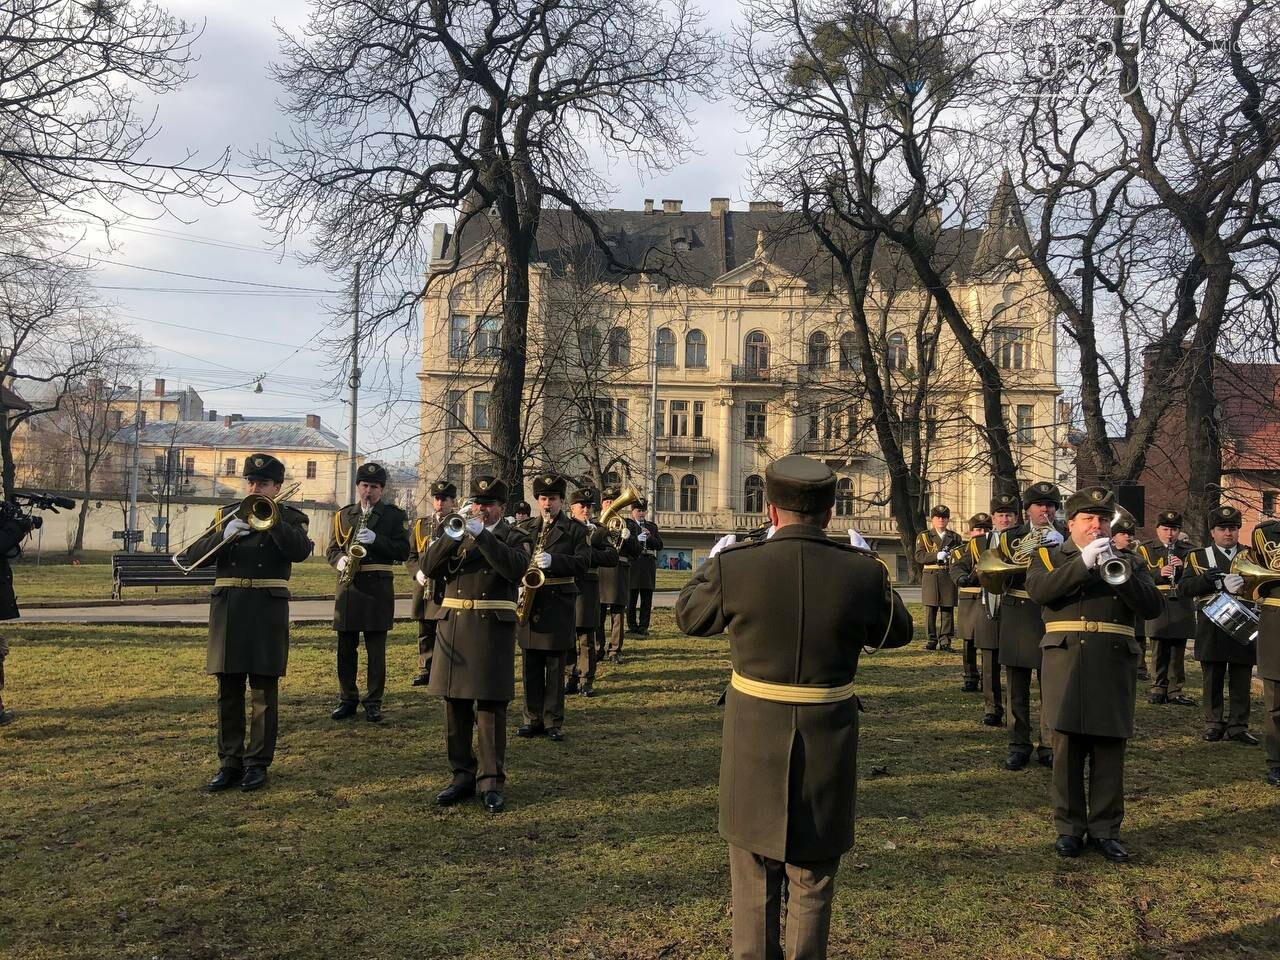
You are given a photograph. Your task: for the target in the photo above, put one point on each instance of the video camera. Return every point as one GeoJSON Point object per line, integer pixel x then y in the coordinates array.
{"type": "Point", "coordinates": [12, 509]}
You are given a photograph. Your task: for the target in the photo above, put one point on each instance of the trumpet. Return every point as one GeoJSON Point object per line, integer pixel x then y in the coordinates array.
{"type": "Point", "coordinates": [1114, 568]}
{"type": "Point", "coordinates": [455, 525]}
{"type": "Point", "coordinates": [260, 512]}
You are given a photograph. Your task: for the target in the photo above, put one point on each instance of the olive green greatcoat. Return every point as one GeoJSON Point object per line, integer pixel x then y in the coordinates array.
{"type": "Point", "coordinates": [1212, 642]}
{"type": "Point", "coordinates": [249, 626]}
{"type": "Point", "coordinates": [603, 556]}
{"type": "Point", "coordinates": [644, 568]}
{"type": "Point", "coordinates": [1088, 678]}
{"type": "Point", "coordinates": [422, 532]}
{"type": "Point", "coordinates": [615, 582]}
{"type": "Point", "coordinates": [552, 623]}
{"type": "Point", "coordinates": [1177, 619]}
{"type": "Point", "coordinates": [1019, 621]}
{"type": "Point", "coordinates": [798, 608]}
{"type": "Point", "coordinates": [970, 614]}
{"type": "Point", "coordinates": [936, 586]}
{"type": "Point", "coordinates": [1269, 629]}
{"type": "Point", "coordinates": [475, 653]}
{"type": "Point", "coordinates": [369, 601]}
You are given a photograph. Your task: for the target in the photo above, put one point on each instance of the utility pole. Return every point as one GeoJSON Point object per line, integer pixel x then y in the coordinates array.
{"type": "Point", "coordinates": [130, 544]}
{"type": "Point", "coordinates": [653, 413]}
{"type": "Point", "coordinates": [354, 384]}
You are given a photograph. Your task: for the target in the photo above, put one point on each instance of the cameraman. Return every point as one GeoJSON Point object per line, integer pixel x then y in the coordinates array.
{"type": "Point", "coordinates": [13, 527]}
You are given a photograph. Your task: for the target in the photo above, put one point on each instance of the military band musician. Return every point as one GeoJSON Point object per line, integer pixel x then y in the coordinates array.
{"type": "Point", "coordinates": [425, 529]}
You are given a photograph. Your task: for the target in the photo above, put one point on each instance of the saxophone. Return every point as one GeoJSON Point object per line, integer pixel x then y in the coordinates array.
{"type": "Point", "coordinates": [355, 553]}
{"type": "Point", "coordinates": [533, 578]}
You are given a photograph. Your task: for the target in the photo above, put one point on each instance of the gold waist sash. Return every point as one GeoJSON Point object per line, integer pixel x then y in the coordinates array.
{"type": "Point", "coordinates": [790, 692]}
{"type": "Point", "coordinates": [461, 603]}
{"type": "Point", "coordinates": [1087, 626]}
{"type": "Point", "coordinates": [1020, 594]}
{"type": "Point", "coordinates": [247, 583]}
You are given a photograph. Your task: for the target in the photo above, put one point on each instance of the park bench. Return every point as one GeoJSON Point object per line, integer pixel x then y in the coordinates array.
{"type": "Point", "coordinates": [153, 570]}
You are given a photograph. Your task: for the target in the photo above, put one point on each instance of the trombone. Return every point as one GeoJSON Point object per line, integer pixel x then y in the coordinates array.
{"type": "Point", "coordinates": [259, 511]}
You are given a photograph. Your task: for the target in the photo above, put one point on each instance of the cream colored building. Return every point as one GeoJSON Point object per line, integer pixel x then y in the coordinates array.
{"type": "Point", "coordinates": [736, 349]}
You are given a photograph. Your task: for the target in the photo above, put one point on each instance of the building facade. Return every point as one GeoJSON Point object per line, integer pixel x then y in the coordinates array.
{"type": "Point", "coordinates": [736, 349]}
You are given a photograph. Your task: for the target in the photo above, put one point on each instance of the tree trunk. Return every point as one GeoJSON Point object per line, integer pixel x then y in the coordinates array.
{"type": "Point", "coordinates": [86, 486]}
{"type": "Point", "coordinates": [8, 472]}
{"type": "Point", "coordinates": [1203, 433]}
{"type": "Point", "coordinates": [507, 399]}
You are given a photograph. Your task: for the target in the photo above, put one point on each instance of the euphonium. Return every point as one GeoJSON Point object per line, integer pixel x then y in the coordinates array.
{"type": "Point", "coordinates": [1256, 577]}
{"type": "Point", "coordinates": [612, 519]}
{"type": "Point", "coordinates": [994, 572]}
{"type": "Point", "coordinates": [533, 578]}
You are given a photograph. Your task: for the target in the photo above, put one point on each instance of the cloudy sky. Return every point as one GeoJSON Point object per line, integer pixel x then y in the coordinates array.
{"type": "Point", "coordinates": [205, 322]}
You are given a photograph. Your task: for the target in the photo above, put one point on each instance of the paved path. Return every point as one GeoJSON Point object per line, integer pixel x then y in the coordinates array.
{"type": "Point", "coordinates": [303, 611]}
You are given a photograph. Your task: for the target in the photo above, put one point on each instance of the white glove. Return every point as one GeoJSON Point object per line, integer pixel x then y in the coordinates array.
{"type": "Point", "coordinates": [1233, 582]}
{"type": "Point", "coordinates": [236, 528]}
{"type": "Point", "coordinates": [644, 535]}
{"type": "Point", "coordinates": [942, 555]}
{"type": "Point", "coordinates": [727, 540]}
{"type": "Point", "coordinates": [475, 526]}
{"type": "Point", "coordinates": [365, 536]}
{"type": "Point", "coordinates": [543, 560]}
{"type": "Point", "coordinates": [1051, 538]}
{"type": "Point", "coordinates": [421, 578]}
{"type": "Point", "coordinates": [1090, 552]}
{"type": "Point", "coordinates": [343, 562]}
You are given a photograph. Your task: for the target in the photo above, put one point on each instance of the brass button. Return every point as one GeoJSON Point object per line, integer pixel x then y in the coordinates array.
{"type": "Point", "coordinates": [468, 604]}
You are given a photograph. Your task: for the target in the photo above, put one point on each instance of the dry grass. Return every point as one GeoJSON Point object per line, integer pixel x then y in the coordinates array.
{"type": "Point", "coordinates": [608, 849]}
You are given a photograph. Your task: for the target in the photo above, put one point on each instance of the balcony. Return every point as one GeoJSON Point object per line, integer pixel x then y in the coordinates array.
{"type": "Point", "coordinates": [684, 446]}
{"type": "Point", "coordinates": [831, 447]}
{"type": "Point", "coordinates": [718, 523]}
{"type": "Point", "coordinates": [746, 373]}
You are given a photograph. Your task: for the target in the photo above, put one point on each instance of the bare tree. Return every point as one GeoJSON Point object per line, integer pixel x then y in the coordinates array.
{"type": "Point", "coordinates": [410, 112]}
{"type": "Point", "coordinates": [74, 131]}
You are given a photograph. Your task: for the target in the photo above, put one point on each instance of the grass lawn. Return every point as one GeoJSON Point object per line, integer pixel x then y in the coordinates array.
{"type": "Point", "coordinates": [608, 849]}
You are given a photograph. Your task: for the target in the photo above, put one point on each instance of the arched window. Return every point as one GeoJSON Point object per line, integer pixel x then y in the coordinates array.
{"type": "Point", "coordinates": [757, 351]}
{"type": "Point", "coordinates": [666, 495]}
{"type": "Point", "coordinates": [666, 348]}
{"type": "Point", "coordinates": [688, 493]}
{"type": "Point", "coordinates": [613, 479]}
{"type": "Point", "coordinates": [589, 344]}
{"type": "Point", "coordinates": [757, 286]}
{"type": "Point", "coordinates": [897, 351]}
{"type": "Point", "coordinates": [844, 497]}
{"type": "Point", "coordinates": [619, 347]}
{"type": "Point", "coordinates": [850, 360]}
{"type": "Point", "coordinates": [695, 350]}
{"type": "Point", "coordinates": [753, 495]}
{"type": "Point", "coordinates": [819, 350]}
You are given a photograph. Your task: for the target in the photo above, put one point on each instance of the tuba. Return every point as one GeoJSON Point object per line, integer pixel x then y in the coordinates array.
{"type": "Point", "coordinates": [1256, 577]}
{"type": "Point", "coordinates": [613, 520]}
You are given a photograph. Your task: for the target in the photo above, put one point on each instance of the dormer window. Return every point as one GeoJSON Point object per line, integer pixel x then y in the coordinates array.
{"type": "Point", "coordinates": [758, 286]}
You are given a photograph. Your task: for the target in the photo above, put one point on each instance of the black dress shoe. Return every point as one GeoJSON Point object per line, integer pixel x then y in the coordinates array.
{"type": "Point", "coordinates": [1213, 736]}
{"type": "Point", "coordinates": [343, 711]}
{"type": "Point", "coordinates": [421, 680]}
{"type": "Point", "coordinates": [993, 719]}
{"type": "Point", "coordinates": [225, 779]}
{"type": "Point", "coordinates": [617, 659]}
{"type": "Point", "coordinates": [1017, 761]}
{"type": "Point", "coordinates": [1273, 776]}
{"type": "Point", "coordinates": [6, 716]}
{"type": "Point", "coordinates": [931, 645]}
{"type": "Point", "coordinates": [373, 714]}
{"type": "Point", "coordinates": [1144, 676]}
{"type": "Point", "coordinates": [944, 647]}
{"type": "Point", "coordinates": [255, 778]}
{"type": "Point", "coordinates": [970, 686]}
{"type": "Point", "coordinates": [643, 633]}
{"type": "Point", "coordinates": [587, 691]}
{"type": "Point", "coordinates": [571, 685]}
{"type": "Point", "coordinates": [492, 801]}
{"type": "Point", "coordinates": [530, 730]}
{"type": "Point", "coordinates": [1179, 700]}
{"type": "Point", "coordinates": [1245, 737]}
{"type": "Point", "coordinates": [1069, 846]}
{"type": "Point", "coordinates": [1157, 698]}
{"type": "Point", "coordinates": [1113, 850]}
{"type": "Point", "coordinates": [555, 733]}
{"type": "Point", "coordinates": [455, 793]}
{"type": "Point", "coordinates": [1045, 758]}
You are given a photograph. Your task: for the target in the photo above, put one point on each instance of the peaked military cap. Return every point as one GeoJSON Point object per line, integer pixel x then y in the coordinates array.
{"type": "Point", "coordinates": [641, 504]}
{"type": "Point", "coordinates": [980, 521]}
{"type": "Point", "coordinates": [488, 489]}
{"type": "Point", "coordinates": [549, 485]}
{"type": "Point", "coordinates": [584, 495]}
{"type": "Point", "coordinates": [941, 510]}
{"type": "Point", "coordinates": [1099, 500]}
{"type": "Point", "coordinates": [523, 507]}
{"type": "Point", "coordinates": [1225, 517]}
{"type": "Point", "coordinates": [263, 466]}
{"type": "Point", "coordinates": [1124, 523]}
{"type": "Point", "coordinates": [1169, 518]}
{"type": "Point", "coordinates": [444, 488]}
{"type": "Point", "coordinates": [372, 473]}
{"type": "Point", "coordinates": [1006, 503]}
{"type": "Point", "coordinates": [800, 484]}
{"type": "Point", "coordinates": [610, 493]}
{"type": "Point", "coordinates": [1043, 492]}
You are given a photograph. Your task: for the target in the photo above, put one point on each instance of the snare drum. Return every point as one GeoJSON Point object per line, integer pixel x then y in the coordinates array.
{"type": "Point", "coordinates": [1232, 617]}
